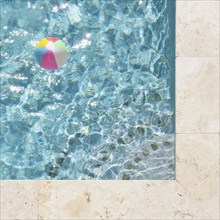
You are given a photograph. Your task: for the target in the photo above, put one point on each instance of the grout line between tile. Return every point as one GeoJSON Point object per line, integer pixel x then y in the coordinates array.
{"type": "Point", "coordinates": [202, 57]}
{"type": "Point", "coordinates": [200, 133]}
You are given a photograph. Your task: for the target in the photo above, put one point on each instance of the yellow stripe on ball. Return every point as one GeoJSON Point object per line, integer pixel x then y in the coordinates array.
{"type": "Point", "coordinates": [42, 43]}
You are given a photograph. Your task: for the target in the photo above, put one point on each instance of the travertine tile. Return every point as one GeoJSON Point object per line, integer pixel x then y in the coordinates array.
{"type": "Point", "coordinates": [197, 95]}
{"type": "Point", "coordinates": [197, 28]}
{"type": "Point", "coordinates": [198, 168]}
{"type": "Point", "coordinates": [195, 193]}
{"type": "Point", "coordinates": [19, 200]}
{"type": "Point", "coordinates": [117, 200]}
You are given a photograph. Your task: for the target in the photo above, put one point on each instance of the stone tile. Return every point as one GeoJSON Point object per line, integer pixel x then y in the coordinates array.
{"type": "Point", "coordinates": [197, 28]}
{"type": "Point", "coordinates": [198, 168]}
{"type": "Point", "coordinates": [117, 200]}
{"type": "Point", "coordinates": [19, 200]}
{"type": "Point", "coordinates": [195, 193]}
{"type": "Point", "coordinates": [197, 95]}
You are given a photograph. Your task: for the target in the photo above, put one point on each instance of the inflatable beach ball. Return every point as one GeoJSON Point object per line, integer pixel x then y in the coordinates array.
{"type": "Point", "coordinates": [51, 53]}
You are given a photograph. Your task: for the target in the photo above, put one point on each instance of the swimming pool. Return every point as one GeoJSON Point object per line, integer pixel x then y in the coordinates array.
{"type": "Point", "coordinates": [109, 113]}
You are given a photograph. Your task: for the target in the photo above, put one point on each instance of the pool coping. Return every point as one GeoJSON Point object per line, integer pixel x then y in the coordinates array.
{"type": "Point", "coordinates": [195, 192]}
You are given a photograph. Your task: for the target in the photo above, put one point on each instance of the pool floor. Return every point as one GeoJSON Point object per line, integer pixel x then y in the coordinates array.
{"type": "Point", "coordinates": [109, 112]}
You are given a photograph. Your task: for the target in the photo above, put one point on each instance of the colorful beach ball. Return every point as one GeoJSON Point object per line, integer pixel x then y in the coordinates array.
{"type": "Point", "coordinates": [51, 53]}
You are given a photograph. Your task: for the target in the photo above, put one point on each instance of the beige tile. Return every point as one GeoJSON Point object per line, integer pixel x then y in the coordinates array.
{"type": "Point", "coordinates": [198, 168]}
{"type": "Point", "coordinates": [195, 193]}
{"type": "Point", "coordinates": [117, 200]}
{"type": "Point", "coordinates": [19, 200]}
{"type": "Point", "coordinates": [197, 28]}
{"type": "Point", "coordinates": [197, 95]}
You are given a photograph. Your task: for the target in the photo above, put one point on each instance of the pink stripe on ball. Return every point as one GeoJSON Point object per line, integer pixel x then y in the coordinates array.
{"type": "Point", "coordinates": [48, 61]}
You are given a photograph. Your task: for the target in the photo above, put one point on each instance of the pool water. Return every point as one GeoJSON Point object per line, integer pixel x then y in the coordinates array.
{"type": "Point", "coordinates": [109, 112]}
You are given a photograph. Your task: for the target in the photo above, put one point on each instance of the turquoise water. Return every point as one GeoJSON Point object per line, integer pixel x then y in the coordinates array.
{"type": "Point", "coordinates": [106, 114]}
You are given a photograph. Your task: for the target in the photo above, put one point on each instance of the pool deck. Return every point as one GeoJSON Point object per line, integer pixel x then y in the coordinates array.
{"type": "Point", "coordinates": [195, 192]}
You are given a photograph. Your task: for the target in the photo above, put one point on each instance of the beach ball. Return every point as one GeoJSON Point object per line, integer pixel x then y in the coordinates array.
{"type": "Point", "coordinates": [51, 53]}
